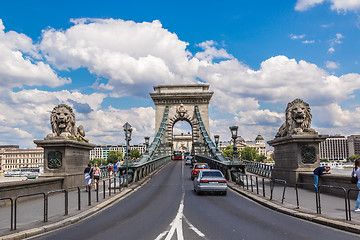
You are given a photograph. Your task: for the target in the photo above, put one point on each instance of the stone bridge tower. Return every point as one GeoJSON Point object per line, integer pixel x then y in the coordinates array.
{"type": "Point", "coordinates": [181, 101]}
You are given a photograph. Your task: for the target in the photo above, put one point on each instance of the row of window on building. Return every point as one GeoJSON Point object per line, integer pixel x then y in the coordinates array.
{"type": "Point", "coordinates": [338, 147]}
{"type": "Point", "coordinates": [12, 157]}
{"type": "Point", "coordinates": [102, 151]}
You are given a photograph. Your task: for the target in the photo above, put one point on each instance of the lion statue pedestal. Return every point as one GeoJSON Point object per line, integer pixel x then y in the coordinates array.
{"type": "Point", "coordinates": [66, 150]}
{"type": "Point", "coordinates": [294, 155]}
{"type": "Point", "coordinates": [296, 145]}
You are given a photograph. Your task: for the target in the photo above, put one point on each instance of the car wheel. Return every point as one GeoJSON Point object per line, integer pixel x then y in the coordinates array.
{"type": "Point", "coordinates": [224, 193]}
{"type": "Point", "coordinates": [198, 192]}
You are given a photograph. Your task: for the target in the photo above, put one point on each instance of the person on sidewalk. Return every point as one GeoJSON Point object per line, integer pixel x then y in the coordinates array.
{"type": "Point", "coordinates": [317, 173]}
{"type": "Point", "coordinates": [115, 169]}
{"type": "Point", "coordinates": [118, 166]}
{"type": "Point", "coordinates": [97, 175]}
{"type": "Point", "coordinates": [88, 177]}
{"type": "Point", "coordinates": [356, 171]}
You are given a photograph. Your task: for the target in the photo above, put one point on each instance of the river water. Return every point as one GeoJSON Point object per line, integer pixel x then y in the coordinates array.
{"type": "Point", "coordinates": [344, 171]}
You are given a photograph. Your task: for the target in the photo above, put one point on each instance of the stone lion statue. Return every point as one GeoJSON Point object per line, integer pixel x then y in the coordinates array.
{"type": "Point", "coordinates": [62, 121]}
{"type": "Point", "coordinates": [298, 119]}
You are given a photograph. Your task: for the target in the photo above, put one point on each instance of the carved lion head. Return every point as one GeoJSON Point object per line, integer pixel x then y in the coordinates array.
{"type": "Point", "coordinates": [62, 120]}
{"type": "Point", "coordinates": [298, 114]}
{"type": "Point", "coordinates": [298, 119]}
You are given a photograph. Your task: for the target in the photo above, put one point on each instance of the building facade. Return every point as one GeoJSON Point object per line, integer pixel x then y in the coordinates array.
{"type": "Point", "coordinates": [334, 148]}
{"type": "Point", "coordinates": [182, 142]}
{"type": "Point", "coordinates": [102, 151]}
{"type": "Point", "coordinates": [11, 157]}
{"type": "Point", "coordinates": [259, 144]}
{"type": "Point", "coordinates": [354, 144]}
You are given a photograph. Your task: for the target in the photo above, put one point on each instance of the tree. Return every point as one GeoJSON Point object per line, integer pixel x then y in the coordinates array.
{"type": "Point", "coordinates": [135, 153]}
{"type": "Point", "coordinates": [260, 158]}
{"type": "Point", "coordinates": [249, 153]}
{"type": "Point", "coordinates": [353, 157]}
{"type": "Point", "coordinates": [98, 161]}
{"type": "Point", "coordinates": [228, 151]}
{"type": "Point", "coordinates": [324, 160]}
{"type": "Point", "coordinates": [269, 160]}
{"type": "Point", "coordinates": [114, 156]}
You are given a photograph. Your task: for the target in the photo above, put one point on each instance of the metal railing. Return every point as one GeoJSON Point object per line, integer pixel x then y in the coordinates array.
{"type": "Point", "coordinates": [348, 199]}
{"type": "Point", "coordinates": [109, 184]}
{"type": "Point", "coordinates": [247, 182]}
{"type": "Point", "coordinates": [11, 211]}
{"type": "Point", "coordinates": [66, 195]}
{"type": "Point", "coordinates": [272, 184]}
{"type": "Point", "coordinates": [316, 195]}
{"type": "Point", "coordinates": [29, 195]}
{"type": "Point", "coordinates": [334, 187]}
{"type": "Point", "coordinates": [258, 168]}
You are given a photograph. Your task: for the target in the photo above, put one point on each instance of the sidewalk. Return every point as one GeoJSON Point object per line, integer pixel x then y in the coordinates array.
{"type": "Point", "coordinates": [332, 207]}
{"type": "Point", "coordinates": [30, 217]}
{"type": "Point", "coordinates": [30, 213]}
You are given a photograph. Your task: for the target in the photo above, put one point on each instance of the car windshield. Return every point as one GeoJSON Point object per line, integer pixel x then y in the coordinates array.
{"type": "Point", "coordinates": [212, 174]}
{"type": "Point", "coordinates": [201, 166]}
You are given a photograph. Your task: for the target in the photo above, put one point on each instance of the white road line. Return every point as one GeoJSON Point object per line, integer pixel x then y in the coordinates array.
{"type": "Point", "coordinates": [176, 224]}
{"type": "Point", "coordinates": [192, 227]}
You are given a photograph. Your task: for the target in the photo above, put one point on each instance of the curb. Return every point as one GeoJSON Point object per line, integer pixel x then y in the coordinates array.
{"type": "Point", "coordinates": [353, 228]}
{"type": "Point", "coordinates": [82, 215]}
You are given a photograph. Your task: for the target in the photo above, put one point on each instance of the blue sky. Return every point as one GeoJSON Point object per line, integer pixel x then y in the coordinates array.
{"type": "Point", "coordinates": [103, 57]}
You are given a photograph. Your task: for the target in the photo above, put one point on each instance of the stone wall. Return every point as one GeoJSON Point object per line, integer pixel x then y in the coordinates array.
{"type": "Point", "coordinates": [14, 189]}
{"type": "Point", "coordinates": [330, 180]}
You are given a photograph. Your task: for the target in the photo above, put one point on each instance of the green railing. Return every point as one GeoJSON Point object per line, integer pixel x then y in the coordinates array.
{"type": "Point", "coordinates": [209, 145]}
{"type": "Point", "coordinates": [155, 145]}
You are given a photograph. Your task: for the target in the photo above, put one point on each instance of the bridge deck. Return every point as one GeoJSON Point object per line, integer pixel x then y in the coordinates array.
{"type": "Point", "coordinates": [157, 203]}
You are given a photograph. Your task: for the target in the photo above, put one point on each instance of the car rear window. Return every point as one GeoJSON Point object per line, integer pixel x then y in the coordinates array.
{"type": "Point", "coordinates": [212, 174]}
{"type": "Point", "coordinates": [201, 166]}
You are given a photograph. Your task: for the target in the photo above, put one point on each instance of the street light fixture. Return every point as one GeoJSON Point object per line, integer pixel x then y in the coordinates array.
{"type": "Point", "coordinates": [147, 144]}
{"type": "Point", "coordinates": [216, 137]}
{"type": "Point", "coordinates": [234, 130]}
{"type": "Point", "coordinates": [127, 130]}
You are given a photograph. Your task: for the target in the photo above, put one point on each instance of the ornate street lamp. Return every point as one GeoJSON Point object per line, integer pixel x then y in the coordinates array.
{"type": "Point", "coordinates": [234, 130]}
{"type": "Point", "coordinates": [147, 144]}
{"type": "Point", "coordinates": [127, 130]}
{"type": "Point", "coordinates": [216, 137]}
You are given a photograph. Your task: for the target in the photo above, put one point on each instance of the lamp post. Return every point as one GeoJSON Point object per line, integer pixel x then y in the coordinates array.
{"type": "Point", "coordinates": [234, 130]}
{"type": "Point", "coordinates": [216, 137]}
{"type": "Point", "coordinates": [127, 130]}
{"type": "Point", "coordinates": [147, 144]}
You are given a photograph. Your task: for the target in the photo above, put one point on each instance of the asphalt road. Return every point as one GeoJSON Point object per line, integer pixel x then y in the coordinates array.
{"type": "Point", "coordinates": [167, 208]}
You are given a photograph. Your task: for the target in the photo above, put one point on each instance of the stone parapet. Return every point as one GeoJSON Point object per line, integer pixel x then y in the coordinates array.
{"type": "Point", "coordinates": [66, 159]}
{"type": "Point", "coordinates": [14, 189]}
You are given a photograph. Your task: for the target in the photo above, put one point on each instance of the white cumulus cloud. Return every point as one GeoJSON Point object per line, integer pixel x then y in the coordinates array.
{"type": "Point", "coordinates": [132, 56]}
{"type": "Point", "coordinates": [20, 65]}
{"type": "Point", "coordinates": [338, 5]}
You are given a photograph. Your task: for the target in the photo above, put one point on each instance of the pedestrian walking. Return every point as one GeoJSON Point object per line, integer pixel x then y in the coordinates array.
{"type": "Point", "coordinates": [317, 173]}
{"type": "Point", "coordinates": [110, 170]}
{"type": "Point", "coordinates": [88, 177]}
{"type": "Point", "coordinates": [118, 166]}
{"type": "Point", "coordinates": [115, 169]}
{"type": "Point", "coordinates": [97, 175]}
{"type": "Point", "coordinates": [356, 172]}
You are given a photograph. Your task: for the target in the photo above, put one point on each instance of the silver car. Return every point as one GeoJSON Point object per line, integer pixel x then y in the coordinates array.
{"type": "Point", "coordinates": [210, 181]}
